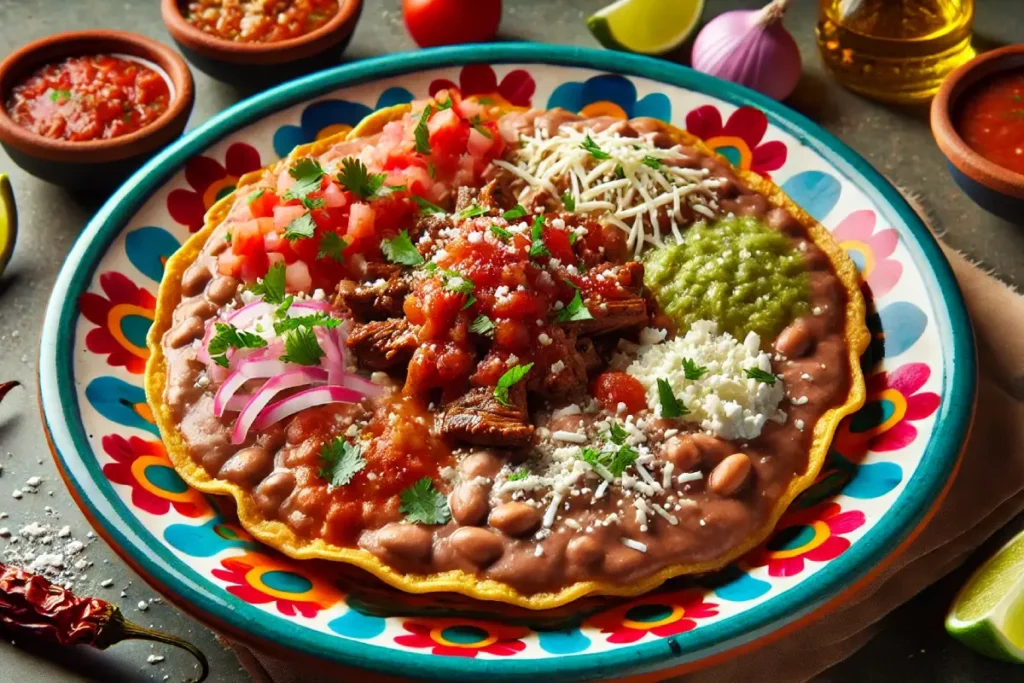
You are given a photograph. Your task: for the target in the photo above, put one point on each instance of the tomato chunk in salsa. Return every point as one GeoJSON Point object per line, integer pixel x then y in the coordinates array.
{"type": "Point", "coordinates": [992, 120]}
{"type": "Point", "coordinates": [95, 97]}
{"type": "Point", "coordinates": [260, 21]}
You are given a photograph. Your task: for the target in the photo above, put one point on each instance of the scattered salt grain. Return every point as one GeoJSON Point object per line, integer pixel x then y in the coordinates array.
{"type": "Point", "coordinates": [154, 659]}
{"type": "Point", "coordinates": [143, 605]}
{"type": "Point", "coordinates": [107, 583]}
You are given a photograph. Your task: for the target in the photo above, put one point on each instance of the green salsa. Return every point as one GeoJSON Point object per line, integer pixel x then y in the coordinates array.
{"type": "Point", "coordinates": [737, 272]}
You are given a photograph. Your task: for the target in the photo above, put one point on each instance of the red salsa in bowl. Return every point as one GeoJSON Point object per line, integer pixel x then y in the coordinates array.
{"type": "Point", "coordinates": [259, 21]}
{"type": "Point", "coordinates": [92, 97]}
{"type": "Point", "coordinates": [991, 120]}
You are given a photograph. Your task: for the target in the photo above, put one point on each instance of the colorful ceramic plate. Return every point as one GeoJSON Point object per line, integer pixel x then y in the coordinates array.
{"type": "Point", "coordinates": [888, 468]}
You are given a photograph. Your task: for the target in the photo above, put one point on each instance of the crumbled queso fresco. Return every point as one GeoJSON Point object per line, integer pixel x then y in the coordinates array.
{"type": "Point", "coordinates": [724, 401]}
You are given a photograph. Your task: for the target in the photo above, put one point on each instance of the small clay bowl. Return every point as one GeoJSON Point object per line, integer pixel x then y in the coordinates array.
{"type": "Point", "coordinates": [92, 164]}
{"type": "Point", "coordinates": [258, 64]}
{"type": "Point", "coordinates": [992, 187]}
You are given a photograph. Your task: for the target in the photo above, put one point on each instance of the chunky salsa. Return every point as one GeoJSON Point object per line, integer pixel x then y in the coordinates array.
{"type": "Point", "coordinates": [95, 97]}
{"type": "Point", "coordinates": [260, 21]}
{"type": "Point", "coordinates": [992, 120]}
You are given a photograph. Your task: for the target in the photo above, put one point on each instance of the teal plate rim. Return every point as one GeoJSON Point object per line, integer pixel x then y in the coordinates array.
{"type": "Point", "coordinates": [69, 439]}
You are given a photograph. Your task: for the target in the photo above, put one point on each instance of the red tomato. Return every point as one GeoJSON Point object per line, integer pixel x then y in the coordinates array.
{"type": "Point", "coordinates": [263, 205]}
{"type": "Point", "coordinates": [448, 22]}
{"type": "Point", "coordinates": [613, 388]}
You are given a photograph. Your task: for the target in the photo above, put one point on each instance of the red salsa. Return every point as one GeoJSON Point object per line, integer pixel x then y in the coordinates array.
{"type": "Point", "coordinates": [260, 21]}
{"type": "Point", "coordinates": [96, 97]}
{"type": "Point", "coordinates": [992, 121]}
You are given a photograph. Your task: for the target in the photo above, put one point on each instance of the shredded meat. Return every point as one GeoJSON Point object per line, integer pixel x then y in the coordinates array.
{"type": "Point", "coordinates": [465, 198]}
{"type": "Point", "coordinates": [571, 378]}
{"type": "Point", "coordinates": [609, 316]}
{"type": "Point", "coordinates": [382, 344]}
{"type": "Point", "coordinates": [592, 361]}
{"type": "Point", "coordinates": [373, 300]}
{"type": "Point", "coordinates": [478, 418]}
{"type": "Point", "coordinates": [498, 194]}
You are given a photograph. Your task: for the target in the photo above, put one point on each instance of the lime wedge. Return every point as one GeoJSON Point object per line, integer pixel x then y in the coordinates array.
{"type": "Point", "coordinates": [988, 613]}
{"type": "Point", "coordinates": [650, 27]}
{"type": "Point", "coordinates": [8, 221]}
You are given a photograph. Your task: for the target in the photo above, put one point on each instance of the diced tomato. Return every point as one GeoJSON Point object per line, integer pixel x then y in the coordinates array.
{"type": "Point", "coordinates": [448, 137]}
{"type": "Point", "coordinates": [255, 265]}
{"type": "Point", "coordinates": [263, 206]}
{"type": "Point", "coordinates": [273, 259]}
{"type": "Point", "coordinates": [360, 223]}
{"type": "Point", "coordinates": [557, 242]}
{"type": "Point", "coordinates": [296, 277]}
{"type": "Point", "coordinates": [283, 215]}
{"type": "Point", "coordinates": [613, 388]}
{"type": "Point", "coordinates": [478, 143]}
{"type": "Point", "coordinates": [334, 196]}
{"type": "Point", "coordinates": [517, 306]}
{"type": "Point", "coordinates": [229, 263]}
{"type": "Point", "coordinates": [246, 238]}
{"type": "Point", "coordinates": [512, 334]}
{"type": "Point", "coordinates": [266, 225]}
{"type": "Point", "coordinates": [284, 182]}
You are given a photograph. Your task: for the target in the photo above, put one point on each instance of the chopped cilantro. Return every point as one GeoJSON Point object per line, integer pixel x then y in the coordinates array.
{"type": "Point", "coordinates": [301, 347]}
{"type": "Point", "coordinates": [431, 170]}
{"type": "Point", "coordinates": [227, 237]}
{"type": "Point", "coordinates": [312, 203]}
{"type": "Point", "coordinates": [569, 201]}
{"type": "Point", "coordinates": [518, 475]}
{"type": "Point", "coordinates": [332, 246]}
{"type": "Point", "coordinates": [595, 151]}
{"type": "Point", "coordinates": [355, 178]}
{"type": "Point", "coordinates": [229, 337]}
{"type": "Point", "coordinates": [670, 405]}
{"type": "Point", "coordinates": [621, 460]}
{"type": "Point", "coordinates": [272, 287]}
{"type": "Point", "coordinates": [300, 228]}
{"type": "Point", "coordinates": [573, 237]}
{"type": "Point", "coordinates": [472, 211]}
{"type": "Point", "coordinates": [500, 232]}
{"type": "Point", "coordinates": [479, 127]}
{"type": "Point", "coordinates": [537, 246]}
{"type": "Point", "coordinates": [617, 434]}
{"type": "Point", "coordinates": [401, 250]}
{"type": "Point", "coordinates": [515, 212]}
{"type": "Point", "coordinates": [457, 283]}
{"type": "Point", "coordinates": [447, 104]}
{"type": "Point", "coordinates": [256, 195]}
{"type": "Point", "coordinates": [576, 310]}
{"type": "Point", "coordinates": [312, 320]}
{"type": "Point", "coordinates": [482, 325]}
{"type": "Point", "coordinates": [342, 461]}
{"type": "Point", "coordinates": [761, 376]}
{"type": "Point", "coordinates": [62, 95]}
{"type": "Point", "coordinates": [512, 376]}
{"type": "Point", "coordinates": [485, 100]}
{"type": "Point", "coordinates": [282, 311]}
{"type": "Point", "coordinates": [619, 173]}
{"type": "Point", "coordinates": [651, 162]}
{"type": "Point", "coordinates": [307, 173]}
{"type": "Point", "coordinates": [424, 504]}
{"type": "Point", "coordinates": [426, 207]}
{"type": "Point", "coordinates": [693, 371]}
{"type": "Point", "coordinates": [470, 300]}
{"type": "Point", "coordinates": [421, 133]}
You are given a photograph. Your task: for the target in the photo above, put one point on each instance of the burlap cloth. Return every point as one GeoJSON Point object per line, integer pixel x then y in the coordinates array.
{"type": "Point", "coordinates": [987, 494]}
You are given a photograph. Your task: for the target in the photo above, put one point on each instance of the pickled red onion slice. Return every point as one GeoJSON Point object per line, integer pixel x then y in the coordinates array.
{"type": "Point", "coordinates": [288, 380]}
{"type": "Point", "coordinates": [308, 398]}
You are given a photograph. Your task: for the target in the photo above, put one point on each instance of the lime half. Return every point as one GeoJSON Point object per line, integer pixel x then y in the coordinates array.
{"type": "Point", "coordinates": [8, 221]}
{"type": "Point", "coordinates": [651, 27]}
{"type": "Point", "coordinates": [988, 613]}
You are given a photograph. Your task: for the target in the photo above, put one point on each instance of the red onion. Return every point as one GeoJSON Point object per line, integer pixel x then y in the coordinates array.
{"type": "Point", "coordinates": [752, 48]}
{"type": "Point", "coordinates": [252, 367]}
{"type": "Point", "coordinates": [309, 398]}
{"type": "Point", "coordinates": [288, 380]}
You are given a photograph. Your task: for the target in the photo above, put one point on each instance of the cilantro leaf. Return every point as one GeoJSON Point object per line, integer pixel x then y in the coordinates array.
{"type": "Point", "coordinates": [482, 325]}
{"type": "Point", "coordinates": [479, 127]}
{"type": "Point", "coordinates": [512, 376]}
{"type": "Point", "coordinates": [301, 347]}
{"type": "Point", "coordinates": [312, 203]}
{"type": "Point", "coordinates": [619, 173]}
{"type": "Point", "coordinates": [761, 376]}
{"type": "Point", "coordinates": [332, 246]}
{"type": "Point", "coordinates": [472, 212]}
{"type": "Point", "coordinates": [573, 237]}
{"type": "Point", "coordinates": [515, 212]}
{"type": "Point", "coordinates": [621, 460]}
{"type": "Point", "coordinates": [282, 311]}
{"type": "Point", "coordinates": [670, 405]}
{"type": "Point", "coordinates": [569, 201]}
{"type": "Point", "coordinates": [307, 173]}
{"type": "Point", "coordinates": [300, 228]}
{"type": "Point", "coordinates": [272, 287]}
{"type": "Point", "coordinates": [500, 232]}
{"type": "Point", "coordinates": [424, 504]}
{"type": "Point", "coordinates": [470, 300]}
{"type": "Point", "coordinates": [576, 310]}
{"type": "Point", "coordinates": [617, 434]}
{"type": "Point", "coordinates": [447, 104]}
{"type": "Point", "coordinates": [518, 475]}
{"type": "Point", "coordinates": [421, 133]}
{"type": "Point", "coordinates": [537, 246]}
{"type": "Point", "coordinates": [60, 95]}
{"type": "Point", "coordinates": [693, 371]}
{"type": "Point", "coordinates": [227, 237]}
{"type": "Point", "coordinates": [256, 195]}
{"type": "Point", "coordinates": [342, 461]}
{"type": "Point", "coordinates": [355, 178]}
{"type": "Point", "coordinates": [485, 100]}
{"type": "Point", "coordinates": [460, 285]}
{"type": "Point", "coordinates": [595, 151]}
{"type": "Point", "coordinates": [229, 337]}
{"type": "Point", "coordinates": [312, 320]}
{"type": "Point", "coordinates": [401, 250]}
{"type": "Point", "coordinates": [426, 207]}
{"type": "Point", "coordinates": [651, 162]}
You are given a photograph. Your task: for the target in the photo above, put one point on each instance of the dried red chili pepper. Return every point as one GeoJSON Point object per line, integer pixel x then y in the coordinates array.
{"type": "Point", "coordinates": [5, 387]}
{"type": "Point", "coordinates": [32, 606]}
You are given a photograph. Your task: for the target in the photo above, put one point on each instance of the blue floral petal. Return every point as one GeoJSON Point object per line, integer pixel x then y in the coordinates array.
{"type": "Point", "coordinates": [204, 540]}
{"type": "Point", "coordinates": [902, 324]}
{"type": "Point", "coordinates": [393, 96]}
{"type": "Point", "coordinates": [320, 115]}
{"type": "Point", "coordinates": [874, 480]}
{"type": "Point", "coordinates": [119, 402]}
{"type": "Point", "coordinates": [148, 249]}
{"type": "Point", "coordinates": [567, 96]}
{"type": "Point", "coordinates": [735, 585]}
{"type": "Point", "coordinates": [656, 105]}
{"type": "Point", "coordinates": [357, 625]}
{"type": "Point", "coordinates": [613, 88]}
{"type": "Point", "coordinates": [563, 642]}
{"type": "Point", "coordinates": [815, 191]}
{"type": "Point", "coordinates": [287, 138]}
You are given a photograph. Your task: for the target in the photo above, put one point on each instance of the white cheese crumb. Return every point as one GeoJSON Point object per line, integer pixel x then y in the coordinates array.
{"type": "Point", "coordinates": [635, 545]}
{"type": "Point", "coordinates": [687, 477]}
{"type": "Point", "coordinates": [154, 659]}
{"type": "Point", "coordinates": [538, 551]}
{"type": "Point", "coordinates": [799, 424]}
{"type": "Point", "coordinates": [570, 437]}
{"type": "Point", "coordinates": [107, 583]}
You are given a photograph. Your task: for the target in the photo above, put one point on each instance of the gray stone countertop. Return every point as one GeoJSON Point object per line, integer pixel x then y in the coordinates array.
{"type": "Point", "coordinates": [912, 645]}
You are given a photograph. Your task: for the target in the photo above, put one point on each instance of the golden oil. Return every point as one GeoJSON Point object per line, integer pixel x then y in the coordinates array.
{"type": "Point", "coordinates": [895, 50]}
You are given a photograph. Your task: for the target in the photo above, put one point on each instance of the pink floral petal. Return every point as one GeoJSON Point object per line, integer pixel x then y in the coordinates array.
{"type": "Point", "coordinates": [416, 641]}
{"type": "Point", "coordinates": [241, 159]}
{"type": "Point", "coordinates": [907, 379]}
{"type": "Point", "coordinates": [675, 628]}
{"type": "Point", "coordinates": [900, 436]}
{"type": "Point", "coordinates": [832, 548]}
{"type": "Point", "coordinates": [118, 287]}
{"type": "Point", "coordinates": [883, 243]}
{"type": "Point", "coordinates": [477, 79]}
{"type": "Point", "coordinates": [787, 566]}
{"type": "Point", "coordinates": [518, 87]}
{"type": "Point", "coordinates": [768, 157]}
{"type": "Point", "coordinates": [747, 123]}
{"type": "Point", "coordinates": [884, 277]}
{"type": "Point", "coordinates": [117, 448]}
{"type": "Point", "coordinates": [154, 505]}
{"type": "Point", "coordinates": [440, 84]}
{"type": "Point", "coordinates": [505, 648]}
{"type": "Point", "coordinates": [201, 172]}
{"type": "Point", "coordinates": [920, 406]}
{"type": "Point", "coordinates": [857, 226]}
{"type": "Point", "coordinates": [94, 307]}
{"type": "Point", "coordinates": [704, 122]}
{"type": "Point", "coordinates": [186, 208]}
{"type": "Point", "coordinates": [845, 522]}
{"type": "Point", "coordinates": [454, 651]}
{"type": "Point", "coordinates": [99, 341]}
{"type": "Point", "coordinates": [626, 635]}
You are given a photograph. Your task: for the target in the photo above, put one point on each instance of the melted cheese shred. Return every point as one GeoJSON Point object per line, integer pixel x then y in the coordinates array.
{"type": "Point", "coordinates": [639, 188]}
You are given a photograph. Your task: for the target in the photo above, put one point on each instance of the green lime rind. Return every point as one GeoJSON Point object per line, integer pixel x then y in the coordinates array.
{"type": "Point", "coordinates": [8, 221]}
{"type": "Point", "coordinates": [984, 638]}
{"type": "Point", "coordinates": [648, 27]}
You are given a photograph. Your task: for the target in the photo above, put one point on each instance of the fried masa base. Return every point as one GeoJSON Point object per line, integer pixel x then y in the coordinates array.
{"type": "Point", "coordinates": [281, 537]}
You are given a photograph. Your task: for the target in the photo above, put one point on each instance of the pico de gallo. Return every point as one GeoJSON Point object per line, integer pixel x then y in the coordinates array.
{"type": "Point", "coordinates": [94, 97]}
{"type": "Point", "coordinates": [992, 120]}
{"type": "Point", "coordinates": [260, 21]}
